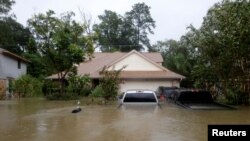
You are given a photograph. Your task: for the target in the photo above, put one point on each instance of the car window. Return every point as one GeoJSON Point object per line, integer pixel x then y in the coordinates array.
{"type": "Point", "coordinates": [139, 97]}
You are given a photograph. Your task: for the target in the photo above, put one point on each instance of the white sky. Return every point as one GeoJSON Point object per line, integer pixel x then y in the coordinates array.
{"type": "Point", "coordinates": [172, 16]}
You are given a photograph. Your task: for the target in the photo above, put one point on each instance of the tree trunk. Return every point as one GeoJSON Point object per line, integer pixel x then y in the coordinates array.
{"type": "Point", "coordinates": [60, 76]}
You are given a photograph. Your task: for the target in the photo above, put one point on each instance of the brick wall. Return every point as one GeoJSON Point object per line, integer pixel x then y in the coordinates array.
{"type": "Point", "coordinates": [2, 88]}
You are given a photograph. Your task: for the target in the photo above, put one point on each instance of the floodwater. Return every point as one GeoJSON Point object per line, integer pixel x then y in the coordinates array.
{"type": "Point", "coordinates": [41, 120]}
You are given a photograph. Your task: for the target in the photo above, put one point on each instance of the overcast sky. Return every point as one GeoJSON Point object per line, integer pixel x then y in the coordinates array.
{"type": "Point", "coordinates": [171, 16]}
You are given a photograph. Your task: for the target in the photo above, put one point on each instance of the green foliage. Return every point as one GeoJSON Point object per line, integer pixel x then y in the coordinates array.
{"type": "Point", "coordinates": [216, 53]}
{"type": "Point", "coordinates": [110, 83]}
{"type": "Point", "coordinates": [125, 33]}
{"type": "Point", "coordinates": [108, 30]}
{"type": "Point", "coordinates": [232, 97]}
{"type": "Point", "coordinates": [177, 57]}
{"type": "Point", "coordinates": [142, 21]}
{"type": "Point", "coordinates": [5, 6]}
{"type": "Point", "coordinates": [38, 67]}
{"type": "Point", "coordinates": [78, 85]}
{"type": "Point", "coordinates": [223, 39]}
{"type": "Point", "coordinates": [97, 92]}
{"type": "Point", "coordinates": [61, 41]}
{"type": "Point", "coordinates": [51, 90]}
{"type": "Point", "coordinates": [13, 36]}
{"type": "Point", "coordinates": [58, 39]}
{"type": "Point", "coordinates": [28, 86]}
{"type": "Point", "coordinates": [223, 45]}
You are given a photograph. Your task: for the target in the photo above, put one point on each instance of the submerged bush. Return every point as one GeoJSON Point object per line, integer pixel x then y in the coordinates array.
{"type": "Point", "coordinates": [110, 83]}
{"type": "Point", "coordinates": [97, 92]}
{"type": "Point", "coordinates": [27, 86]}
{"type": "Point", "coordinates": [77, 84]}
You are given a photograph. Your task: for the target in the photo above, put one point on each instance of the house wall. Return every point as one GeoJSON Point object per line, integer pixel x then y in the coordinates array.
{"type": "Point", "coordinates": [147, 84]}
{"type": "Point", "coordinates": [135, 62]}
{"type": "Point", "coordinates": [9, 67]}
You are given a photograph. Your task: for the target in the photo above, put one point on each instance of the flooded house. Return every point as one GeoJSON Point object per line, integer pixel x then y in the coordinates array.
{"type": "Point", "coordinates": [143, 70]}
{"type": "Point", "coordinates": [12, 66]}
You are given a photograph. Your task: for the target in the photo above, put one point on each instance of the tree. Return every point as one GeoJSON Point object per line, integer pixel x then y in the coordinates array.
{"type": "Point", "coordinates": [109, 30]}
{"type": "Point", "coordinates": [143, 23]}
{"type": "Point", "coordinates": [125, 33]}
{"type": "Point", "coordinates": [5, 6]}
{"type": "Point", "coordinates": [13, 35]}
{"type": "Point", "coordinates": [223, 44]}
{"type": "Point", "coordinates": [61, 41]}
{"type": "Point", "coordinates": [176, 56]}
{"type": "Point", "coordinates": [115, 32]}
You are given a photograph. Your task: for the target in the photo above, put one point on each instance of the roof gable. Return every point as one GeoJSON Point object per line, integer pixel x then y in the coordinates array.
{"type": "Point", "coordinates": [135, 61]}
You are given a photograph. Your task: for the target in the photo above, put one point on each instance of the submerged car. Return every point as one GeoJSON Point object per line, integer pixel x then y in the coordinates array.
{"type": "Point", "coordinates": [197, 99]}
{"type": "Point", "coordinates": [167, 92]}
{"type": "Point", "coordinates": [139, 97]}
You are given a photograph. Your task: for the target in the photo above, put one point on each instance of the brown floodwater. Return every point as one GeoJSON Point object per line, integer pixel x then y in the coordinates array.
{"type": "Point", "coordinates": [41, 120]}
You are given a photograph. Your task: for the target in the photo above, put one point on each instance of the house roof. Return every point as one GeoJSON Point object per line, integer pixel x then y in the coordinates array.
{"type": "Point", "coordinates": [100, 60]}
{"type": "Point", "coordinates": [146, 75]}
{"type": "Point", "coordinates": [13, 55]}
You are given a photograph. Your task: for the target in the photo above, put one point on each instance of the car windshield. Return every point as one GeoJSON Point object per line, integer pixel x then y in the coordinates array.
{"type": "Point", "coordinates": [195, 97]}
{"type": "Point", "coordinates": [139, 97]}
{"type": "Point", "coordinates": [168, 91]}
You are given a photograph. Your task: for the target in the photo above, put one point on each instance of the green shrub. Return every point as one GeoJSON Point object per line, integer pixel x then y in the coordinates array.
{"type": "Point", "coordinates": [78, 85]}
{"type": "Point", "coordinates": [235, 96]}
{"type": "Point", "coordinates": [27, 86]}
{"type": "Point", "coordinates": [59, 96]}
{"type": "Point", "coordinates": [221, 99]}
{"type": "Point", "coordinates": [110, 83]}
{"type": "Point", "coordinates": [97, 92]}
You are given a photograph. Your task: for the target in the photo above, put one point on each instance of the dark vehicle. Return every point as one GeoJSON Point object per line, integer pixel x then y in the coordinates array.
{"type": "Point", "coordinates": [197, 99]}
{"type": "Point", "coordinates": [167, 92]}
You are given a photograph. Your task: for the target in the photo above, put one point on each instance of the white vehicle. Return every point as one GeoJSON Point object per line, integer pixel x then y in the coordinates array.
{"type": "Point", "coordinates": [139, 97]}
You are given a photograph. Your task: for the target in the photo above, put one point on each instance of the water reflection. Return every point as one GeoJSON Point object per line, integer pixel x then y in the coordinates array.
{"type": "Point", "coordinates": [39, 120]}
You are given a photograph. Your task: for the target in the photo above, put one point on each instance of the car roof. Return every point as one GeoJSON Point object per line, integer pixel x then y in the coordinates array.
{"type": "Point", "coordinates": [191, 90]}
{"type": "Point", "coordinates": [139, 91]}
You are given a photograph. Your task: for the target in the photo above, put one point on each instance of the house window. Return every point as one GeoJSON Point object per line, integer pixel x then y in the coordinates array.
{"type": "Point", "coordinates": [19, 64]}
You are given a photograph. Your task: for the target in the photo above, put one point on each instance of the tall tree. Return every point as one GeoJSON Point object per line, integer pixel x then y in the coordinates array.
{"type": "Point", "coordinates": [125, 33]}
{"type": "Point", "coordinates": [108, 30]}
{"type": "Point", "coordinates": [5, 6]}
{"type": "Point", "coordinates": [223, 38]}
{"type": "Point", "coordinates": [143, 23]}
{"type": "Point", "coordinates": [115, 32]}
{"type": "Point", "coordinates": [13, 35]}
{"type": "Point", "coordinates": [223, 44]}
{"type": "Point", "coordinates": [61, 41]}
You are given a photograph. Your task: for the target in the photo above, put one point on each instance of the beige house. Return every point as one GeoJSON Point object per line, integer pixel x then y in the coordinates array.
{"type": "Point", "coordinates": [143, 70]}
